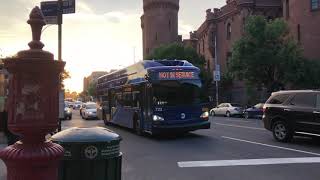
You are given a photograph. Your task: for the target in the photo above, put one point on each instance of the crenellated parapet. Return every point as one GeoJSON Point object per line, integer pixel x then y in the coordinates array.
{"type": "Point", "coordinates": [166, 4]}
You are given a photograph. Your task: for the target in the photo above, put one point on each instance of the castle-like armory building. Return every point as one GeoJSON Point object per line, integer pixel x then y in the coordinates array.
{"type": "Point", "coordinates": [159, 24]}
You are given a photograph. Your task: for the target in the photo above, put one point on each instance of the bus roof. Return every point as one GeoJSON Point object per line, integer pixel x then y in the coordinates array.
{"type": "Point", "coordinates": [150, 64]}
{"type": "Point", "coordinates": [136, 73]}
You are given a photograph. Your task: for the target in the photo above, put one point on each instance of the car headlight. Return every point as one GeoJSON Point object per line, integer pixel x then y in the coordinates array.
{"type": "Point", "coordinates": [157, 118]}
{"type": "Point", "coordinates": [205, 115]}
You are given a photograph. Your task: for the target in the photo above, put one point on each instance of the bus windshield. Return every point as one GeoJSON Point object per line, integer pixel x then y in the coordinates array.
{"type": "Point", "coordinates": [182, 92]}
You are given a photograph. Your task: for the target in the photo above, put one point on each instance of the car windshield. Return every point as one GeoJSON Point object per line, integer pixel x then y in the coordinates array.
{"type": "Point", "coordinates": [235, 105]}
{"type": "Point", "coordinates": [91, 106]}
{"type": "Point", "coordinates": [178, 92]}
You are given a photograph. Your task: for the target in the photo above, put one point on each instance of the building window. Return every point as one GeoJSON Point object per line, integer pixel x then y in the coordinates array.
{"type": "Point", "coordinates": [156, 36]}
{"type": "Point", "coordinates": [315, 4]}
{"type": "Point", "coordinates": [203, 46]}
{"type": "Point", "coordinates": [299, 33]}
{"type": "Point", "coordinates": [229, 31]}
{"type": "Point", "coordinates": [169, 24]}
{"type": "Point", "coordinates": [287, 9]}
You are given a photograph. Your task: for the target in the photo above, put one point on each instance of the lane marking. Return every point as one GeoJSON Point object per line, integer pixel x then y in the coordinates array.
{"type": "Point", "coordinates": [273, 146]}
{"type": "Point", "coordinates": [246, 127]}
{"type": "Point", "coordinates": [241, 121]}
{"type": "Point", "coordinates": [249, 162]}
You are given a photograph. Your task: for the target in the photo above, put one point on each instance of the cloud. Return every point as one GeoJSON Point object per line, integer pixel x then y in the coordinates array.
{"type": "Point", "coordinates": [185, 29]}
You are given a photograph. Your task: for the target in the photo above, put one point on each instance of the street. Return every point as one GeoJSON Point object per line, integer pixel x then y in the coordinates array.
{"type": "Point", "coordinates": [258, 156]}
{"type": "Point", "coordinates": [153, 158]}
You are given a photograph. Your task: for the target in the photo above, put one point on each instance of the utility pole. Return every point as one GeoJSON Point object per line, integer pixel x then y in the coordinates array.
{"type": "Point", "coordinates": [216, 68]}
{"type": "Point", "coordinates": [60, 12]}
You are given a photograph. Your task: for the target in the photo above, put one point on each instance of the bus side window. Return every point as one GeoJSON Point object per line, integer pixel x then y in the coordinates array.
{"type": "Point", "coordinates": [119, 99]}
{"type": "Point", "coordinates": [136, 99]}
{"type": "Point", "coordinates": [112, 100]}
{"type": "Point", "coordinates": [127, 99]}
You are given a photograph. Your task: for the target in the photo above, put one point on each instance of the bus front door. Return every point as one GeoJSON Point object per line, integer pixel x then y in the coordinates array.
{"type": "Point", "coordinates": [147, 107]}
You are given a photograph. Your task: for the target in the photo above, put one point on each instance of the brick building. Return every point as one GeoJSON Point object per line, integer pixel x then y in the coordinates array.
{"type": "Point", "coordinates": [303, 17]}
{"type": "Point", "coordinates": [92, 79]}
{"type": "Point", "coordinates": [227, 24]}
{"type": "Point", "coordinates": [159, 24]}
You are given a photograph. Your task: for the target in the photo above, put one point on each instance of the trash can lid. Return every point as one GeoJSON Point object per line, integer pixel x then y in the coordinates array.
{"type": "Point", "coordinates": [86, 135]}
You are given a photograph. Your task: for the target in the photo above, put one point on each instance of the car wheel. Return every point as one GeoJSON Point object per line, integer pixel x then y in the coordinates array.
{"type": "Point", "coordinates": [228, 114]}
{"type": "Point", "coordinates": [246, 115]}
{"type": "Point", "coordinates": [282, 132]}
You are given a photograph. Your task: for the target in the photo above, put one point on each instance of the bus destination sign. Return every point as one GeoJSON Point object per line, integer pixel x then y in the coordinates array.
{"type": "Point", "coordinates": [177, 75]}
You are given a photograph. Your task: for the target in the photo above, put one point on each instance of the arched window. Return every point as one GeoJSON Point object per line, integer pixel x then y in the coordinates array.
{"type": "Point", "coordinates": [228, 31]}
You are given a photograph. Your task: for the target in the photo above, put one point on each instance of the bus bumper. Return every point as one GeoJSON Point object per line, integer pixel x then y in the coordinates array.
{"type": "Point", "coordinates": [156, 129]}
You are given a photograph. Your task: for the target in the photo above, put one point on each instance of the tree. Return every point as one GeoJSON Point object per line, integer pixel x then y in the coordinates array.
{"type": "Point", "coordinates": [63, 76]}
{"type": "Point", "coordinates": [179, 52]}
{"type": "Point", "coordinates": [266, 55]}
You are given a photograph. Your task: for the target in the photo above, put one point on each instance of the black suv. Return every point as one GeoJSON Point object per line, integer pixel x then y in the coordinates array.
{"type": "Point", "coordinates": [287, 113]}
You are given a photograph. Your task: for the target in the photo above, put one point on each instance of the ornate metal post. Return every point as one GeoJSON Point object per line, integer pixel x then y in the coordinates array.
{"type": "Point", "coordinates": [33, 109]}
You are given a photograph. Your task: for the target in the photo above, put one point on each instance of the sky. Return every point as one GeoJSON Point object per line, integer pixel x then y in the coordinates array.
{"type": "Point", "coordinates": [101, 35]}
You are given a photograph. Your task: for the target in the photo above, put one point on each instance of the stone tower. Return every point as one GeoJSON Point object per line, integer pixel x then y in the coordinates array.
{"type": "Point", "coordinates": [159, 24]}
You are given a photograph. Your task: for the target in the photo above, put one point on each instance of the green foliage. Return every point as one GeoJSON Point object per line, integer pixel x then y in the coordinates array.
{"type": "Point", "coordinates": [178, 51]}
{"type": "Point", "coordinates": [267, 56]}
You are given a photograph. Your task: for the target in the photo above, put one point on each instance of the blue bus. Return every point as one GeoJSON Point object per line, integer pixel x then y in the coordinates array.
{"type": "Point", "coordinates": [154, 97]}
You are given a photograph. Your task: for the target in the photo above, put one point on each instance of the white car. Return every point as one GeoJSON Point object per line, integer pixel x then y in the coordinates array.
{"type": "Point", "coordinates": [227, 109]}
{"type": "Point", "coordinates": [89, 111]}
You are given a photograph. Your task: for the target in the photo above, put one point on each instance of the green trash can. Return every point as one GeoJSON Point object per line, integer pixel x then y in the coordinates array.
{"type": "Point", "coordinates": [90, 154]}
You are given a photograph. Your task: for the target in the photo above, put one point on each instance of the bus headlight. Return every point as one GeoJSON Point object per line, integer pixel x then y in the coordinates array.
{"type": "Point", "coordinates": [157, 118]}
{"type": "Point", "coordinates": [205, 116]}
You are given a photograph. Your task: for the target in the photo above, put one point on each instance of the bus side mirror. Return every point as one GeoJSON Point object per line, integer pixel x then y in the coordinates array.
{"type": "Point", "coordinates": [147, 77]}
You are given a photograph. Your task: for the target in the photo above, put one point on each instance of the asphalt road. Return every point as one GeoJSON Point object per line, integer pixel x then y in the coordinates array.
{"type": "Point", "coordinates": [253, 153]}
{"type": "Point", "coordinates": [233, 149]}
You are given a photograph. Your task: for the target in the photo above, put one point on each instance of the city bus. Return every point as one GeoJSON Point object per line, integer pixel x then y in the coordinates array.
{"type": "Point", "coordinates": [154, 97]}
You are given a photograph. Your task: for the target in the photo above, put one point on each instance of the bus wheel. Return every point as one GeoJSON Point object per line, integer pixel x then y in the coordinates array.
{"type": "Point", "coordinates": [136, 126]}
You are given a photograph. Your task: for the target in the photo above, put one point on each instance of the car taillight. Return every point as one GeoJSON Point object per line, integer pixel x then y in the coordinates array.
{"type": "Point", "coordinates": [264, 109]}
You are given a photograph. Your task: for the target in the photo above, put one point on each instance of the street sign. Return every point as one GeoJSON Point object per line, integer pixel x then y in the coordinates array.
{"type": "Point", "coordinates": [217, 67]}
{"type": "Point", "coordinates": [216, 76]}
{"type": "Point", "coordinates": [50, 10]}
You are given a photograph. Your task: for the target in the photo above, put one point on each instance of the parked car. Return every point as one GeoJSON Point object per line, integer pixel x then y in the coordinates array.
{"type": "Point", "coordinates": [227, 109]}
{"type": "Point", "coordinates": [89, 111]}
{"type": "Point", "coordinates": [287, 113]}
{"type": "Point", "coordinates": [254, 111]}
{"type": "Point", "coordinates": [67, 113]}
